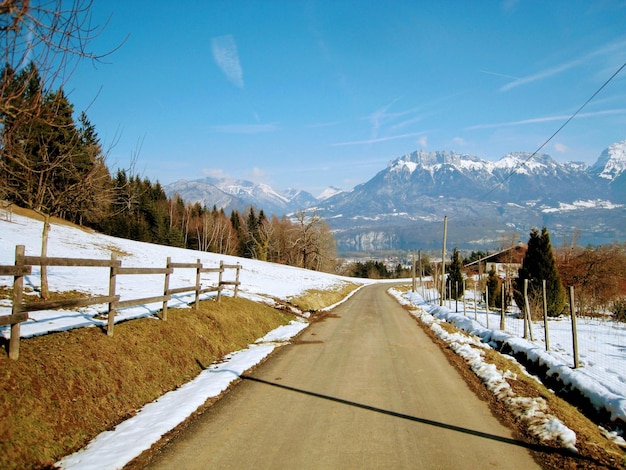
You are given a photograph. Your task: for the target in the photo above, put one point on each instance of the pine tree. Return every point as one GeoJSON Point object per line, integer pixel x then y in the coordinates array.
{"type": "Point", "coordinates": [539, 265]}
{"type": "Point", "coordinates": [493, 288]}
{"type": "Point", "coordinates": [455, 275]}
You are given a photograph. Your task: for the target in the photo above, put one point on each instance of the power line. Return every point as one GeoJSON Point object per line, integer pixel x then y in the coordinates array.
{"type": "Point", "coordinates": [519, 165]}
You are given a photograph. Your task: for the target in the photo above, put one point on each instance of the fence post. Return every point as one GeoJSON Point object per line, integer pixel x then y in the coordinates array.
{"type": "Point", "coordinates": [502, 306]}
{"type": "Point", "coordinates": [237, 280]}
{"type": "Point", "coordinates": [572, 310]}
{"type": "Point", "coordinates": [198, 268]}
{"type": "Point", "coordinates": [475, 302]}
{"type": "Point", "coordinates": [545, 316]}
{"type": "Point", "coordinates": [18, 286]}
{"type": "Point", "coordinates": [219, 282]}
{"type": "Point", "coordinates": [487, 304]}
{"type": "Point", "coordinates": [166, 288]}
{"type": "Point", "coordinates": [526, 309]}
{"type": "Point", "coordinates": [111, 316]}
{"type": "Point", "coordinates": [464, 306]}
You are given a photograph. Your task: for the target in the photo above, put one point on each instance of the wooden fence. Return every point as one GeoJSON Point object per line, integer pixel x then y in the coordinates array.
{"type": "Point", "coordinates": [23, 266]}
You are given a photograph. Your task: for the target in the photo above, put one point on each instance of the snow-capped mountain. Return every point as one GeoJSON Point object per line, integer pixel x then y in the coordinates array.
{"type": "Point", "coordinates": [612, 162]}
{"type": "Point", "coordinates": [329, 192]}
{"type": "Point", "coordinates": [404, 204]}
{"type": "Point", "coordinates": [229, 194]}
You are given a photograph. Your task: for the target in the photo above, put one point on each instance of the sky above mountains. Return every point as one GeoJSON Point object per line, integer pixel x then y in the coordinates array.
{"type": "Point", "coordinates": [310, 94]}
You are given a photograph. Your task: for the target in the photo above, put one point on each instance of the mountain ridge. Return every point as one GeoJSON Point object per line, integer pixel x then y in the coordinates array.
{"type": "Point", "coordinates": [402, 205]}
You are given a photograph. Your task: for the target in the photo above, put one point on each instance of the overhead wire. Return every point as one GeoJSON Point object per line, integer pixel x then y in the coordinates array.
{"type": "Point", "coordinates": [521, 164]}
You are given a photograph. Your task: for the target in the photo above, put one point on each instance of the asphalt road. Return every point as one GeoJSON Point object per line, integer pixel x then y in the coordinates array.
{"type": "Point", "coordinates": [364, 388]}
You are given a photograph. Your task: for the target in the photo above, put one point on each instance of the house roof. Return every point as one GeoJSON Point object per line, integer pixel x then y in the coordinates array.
{"type": "Point", "coordinates": [513, 254]}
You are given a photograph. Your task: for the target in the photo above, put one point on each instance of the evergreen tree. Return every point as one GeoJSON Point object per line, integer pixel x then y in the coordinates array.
{"type": "Point", "coordinates": [455, 275]}
{"type": "Point", "coordinates": [539, 265]}
{"type": "Point", "coordinates": [493, 288]}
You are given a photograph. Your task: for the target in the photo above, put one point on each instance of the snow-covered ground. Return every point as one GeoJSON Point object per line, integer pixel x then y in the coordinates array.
{"type": "Point", "coordinates": [259, 280]}
{"type": "Point", "coordinates": [262, 282]}
{"type": "Point", "coordinates": [602, 385]}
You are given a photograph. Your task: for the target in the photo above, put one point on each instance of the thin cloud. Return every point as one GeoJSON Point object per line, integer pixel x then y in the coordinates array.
{"type": "Point", "coordinates": [214, 172]}
{"type": "Point", "coordinates": [511, 77]}
{"type": "Point", "coordinates": [560, 148]}
{"type": "Point", "coordinates": [245, 128]}
{"type": "Point", "coordinates": [608, 49]}
{"type": "Point", "coordinates": [377, 140]}
{"type": "Point", "coordinates": [257, 175]}
{"type": "Point", "coordinates": [546, 119]}
{"type": "Point", "coordinates": [227, 59]}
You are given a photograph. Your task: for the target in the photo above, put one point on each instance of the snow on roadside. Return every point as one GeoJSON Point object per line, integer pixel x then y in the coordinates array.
{"type": "Point", "coordinates": [533, 411]}
{"type": "Point", "coordinates": [598, 394]}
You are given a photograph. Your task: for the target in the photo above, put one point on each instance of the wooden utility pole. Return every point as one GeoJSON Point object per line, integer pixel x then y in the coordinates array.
{"type": "Point", "coordinates": [419, 262]}
{"type": "Point", "coordinates": [413, 271]}
{"type": "Point", "coordinates": [443, 260]}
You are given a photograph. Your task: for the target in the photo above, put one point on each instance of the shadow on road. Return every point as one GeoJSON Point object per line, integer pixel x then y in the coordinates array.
{"type": "Point", "coordinates": [429, 422]}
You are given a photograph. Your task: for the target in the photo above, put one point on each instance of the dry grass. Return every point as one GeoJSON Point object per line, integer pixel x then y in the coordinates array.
{"type": "Point", "coordinates": [68, 387]}
{"type": "Point", "coordinates": [315, 299]}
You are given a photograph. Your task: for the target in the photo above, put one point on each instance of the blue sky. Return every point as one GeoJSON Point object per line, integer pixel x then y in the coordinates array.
{"type": "Point", "coordinates": [309, 94]}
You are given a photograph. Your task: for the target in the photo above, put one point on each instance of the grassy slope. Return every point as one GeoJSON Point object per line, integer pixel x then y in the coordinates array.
{"type": "Point", "coordinates": [68, 387]}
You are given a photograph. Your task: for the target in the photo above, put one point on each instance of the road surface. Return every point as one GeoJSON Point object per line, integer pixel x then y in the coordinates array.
{"type": "Point", "coordinates": [364, 388]}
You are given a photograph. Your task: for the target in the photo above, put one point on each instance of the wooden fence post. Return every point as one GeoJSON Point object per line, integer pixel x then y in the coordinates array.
{"type": "Point", "coordinates": [475, 302]}
{"type": "Point", "coordinates": [237, 280]}
{"type": "Point", "coordinates": [166, 288]}
{"type": "Point", "coordinates": [545, 316]}
{"type": "Point", "coordinates": [111, 316]}
{"type": "Point", "coordinates": [18, 286]}
{"type": "Point", "coordinates": [502, 306]}
{"type": "Point", "coordinates": [572, 310]}
{"type": "Point", "coordinates": [464, 305]}
{"type": "Point", "coordinates": [526, 309]}
{"type": "Point", "coordinates": [198, 268]}
{"type": "Point", "coordinates": [487, 304]}
{"type": "Point", "coordinates": [219, 282]}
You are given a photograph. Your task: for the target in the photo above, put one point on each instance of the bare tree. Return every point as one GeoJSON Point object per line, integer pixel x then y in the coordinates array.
{"type": "Point", "coordinates": [312, 242]}
{"type": "Point", "coordinates": [41, 43]}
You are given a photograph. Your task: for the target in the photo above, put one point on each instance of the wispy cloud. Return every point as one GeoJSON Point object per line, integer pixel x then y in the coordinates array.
{"type": "Point", "coordinates": [245, 128]}
{"type": "Point", "coordinates": [257, 175]}
{"type": "Point", "coordinates": [546, 119]}
{"type": "Point", "coordinates": [227, 58]}
{"type": "Point", "coordinates": [214, 172]}
{"type": "Point", "coordinates": [560, 148]}
{"type": "Point", "coordinates": [606, 50]}
{"type": "Point", "coordinates": [378, 139]}
{"type": "Point", "coordinates": [378, 117]}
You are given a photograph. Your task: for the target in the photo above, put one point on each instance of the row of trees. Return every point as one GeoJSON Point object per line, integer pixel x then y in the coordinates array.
{"type": "Point", "coordinates": [598, 275]}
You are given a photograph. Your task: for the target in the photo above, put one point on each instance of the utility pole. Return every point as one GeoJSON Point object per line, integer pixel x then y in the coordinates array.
{"type": "Point", "coordinates": [443, 260]}
{"type": "Point", "coordinates": [413, 270]}
{"type": "Point", "coordinates": [419, 261]}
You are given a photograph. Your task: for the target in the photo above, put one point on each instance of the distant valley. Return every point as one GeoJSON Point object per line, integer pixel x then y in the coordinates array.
{"type": "Point", "coordinates": [403, 206]}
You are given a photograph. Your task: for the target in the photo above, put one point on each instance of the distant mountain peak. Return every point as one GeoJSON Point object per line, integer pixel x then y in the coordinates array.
{"type": "Point", "coordinates": [328, 193]}
{"type": "Point", "coordinates": [612, 162]}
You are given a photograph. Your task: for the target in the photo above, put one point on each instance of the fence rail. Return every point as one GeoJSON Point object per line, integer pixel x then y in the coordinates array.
{"type": "Point", "coordinates": [24, 264]}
